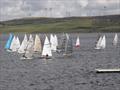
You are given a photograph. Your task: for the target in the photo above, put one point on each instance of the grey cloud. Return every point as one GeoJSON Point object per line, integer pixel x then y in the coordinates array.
{"type": "Point", "coordinates": [10, 9]}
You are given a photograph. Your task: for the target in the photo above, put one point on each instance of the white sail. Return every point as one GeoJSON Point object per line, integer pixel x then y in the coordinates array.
{"type": "Point", "coordinates": [37, 45]}
{"type": "Point", "coordinates": [68, 47]}
{"type": "Point", "coordinates": [115, 40]}
{"type": "Point", "coordinates": [17, 43]}
{"type": "Point", "coordinates": [51, 38]}
{"type": "Point", "coordinates": [23, 45]}
{"type": "Point", "coordinates": [77, 42]}
{"type": "Point", "coordinates": [13, 44]}
{"type": "Point", "coordinates": [29, 49]}
{"type": "Point", "coordinates": [46, 48]}
{"type": "Point", "coordinates": [31, 38]}
{"type": "Point", "coordinates": [98, 44]}
{"type": "Point", "coordinates": [103, 42]}
{"type": "Point", "coordinates": [56, 40]}
{"type": "Point", "coordinates": [67, 36]}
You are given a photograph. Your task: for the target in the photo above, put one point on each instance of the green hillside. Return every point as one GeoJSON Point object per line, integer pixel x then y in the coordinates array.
{"type": "Point", "coordinates": [72, 24]}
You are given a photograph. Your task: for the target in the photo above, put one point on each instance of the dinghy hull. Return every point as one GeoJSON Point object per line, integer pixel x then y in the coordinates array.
{"type": "Point", "coordinates": [107, 70]}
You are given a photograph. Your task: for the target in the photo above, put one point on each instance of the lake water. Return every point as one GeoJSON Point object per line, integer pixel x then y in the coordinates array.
{"type": "Point", "coordinates": [74, 73]}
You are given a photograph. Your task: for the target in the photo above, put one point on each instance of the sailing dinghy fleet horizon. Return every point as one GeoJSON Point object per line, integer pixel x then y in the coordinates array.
{"type": "Point", "coordinates": [29, 47]}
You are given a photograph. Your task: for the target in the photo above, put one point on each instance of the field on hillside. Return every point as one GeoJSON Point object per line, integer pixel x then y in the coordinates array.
{"type": "Point", "coordinates": [72, 24]}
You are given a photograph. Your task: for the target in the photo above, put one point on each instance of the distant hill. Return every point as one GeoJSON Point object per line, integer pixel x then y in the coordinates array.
{"type": "Point", "coordinates": [109, 23]}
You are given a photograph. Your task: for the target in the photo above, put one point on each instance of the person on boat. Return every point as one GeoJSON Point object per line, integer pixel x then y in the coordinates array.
{"type": "Point", "coordinates": [46, 57]}
{"type": "Point", "coordinates": [24, 56]}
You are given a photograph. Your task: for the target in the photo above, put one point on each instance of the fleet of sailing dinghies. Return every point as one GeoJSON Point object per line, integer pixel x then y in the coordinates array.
{"type": "Point", "coordinates": [101, 43]}
{"type": "Point", "coordinates": [115, 40]}
{"type": "Point", "coordinates": [29, 47]}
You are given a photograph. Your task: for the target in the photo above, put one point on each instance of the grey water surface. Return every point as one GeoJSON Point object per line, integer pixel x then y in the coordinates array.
{"type": "Point", "coordinates": [69, 73]}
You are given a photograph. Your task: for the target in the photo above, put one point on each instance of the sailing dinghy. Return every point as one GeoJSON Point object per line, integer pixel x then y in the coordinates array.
{"type": "Point", "coordinates": [37, 45]}
{"type": "Point", "coordinates": [47, 52]}
{"type": "Point", "coordinates": [29, 49]}
{"type": "Point", "coordinates": [9, 41]}
{"type": "Point", "coordinates": [77, 42]}
{"type": "Point", "coordinates": [56, 40]}
{"type": "Point", "coordinates": [54, 43]}
{"type": "Point", "coordinates": [115, 40]}
{"type": "Point", "coordinates": [101, 44]}
{"type": "Point", "coordinates": [17, 43]}
{"type": "Point", "coordinates": [13, 44]}
{"type": "Point", "coordinates": [68, 47]}
{"type": "Point", "coordinates": [61, 47]}
{"type": "Point", "coordinates": [23, 45]}
{"type": "Point", "coordinates": [107, 70]}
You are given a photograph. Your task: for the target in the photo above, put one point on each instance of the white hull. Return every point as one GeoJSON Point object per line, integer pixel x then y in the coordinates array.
{"type": "Point", "coordinates": [107, 70]}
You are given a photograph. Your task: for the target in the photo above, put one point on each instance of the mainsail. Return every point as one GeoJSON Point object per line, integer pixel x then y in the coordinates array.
{"type": "Point", "coordinates": [17, 43]}
{"type": "Point", "coordinates": [98, 43]}
{"type": "Point", "coordinates": [46, 48]}
{"type": "Point", "coordinates": [13, 44]}
{"type": "Point", "coordinates": [61, 47]}
{"type": "Point", "coordinates": [77, 42]}
{"type": "Point", "coordinates": [68, 46]}
{"type": "Point", "coordinates": [29, 49]}
{"type": "Point", "coordinates": [37, 45]}
{"type": "Point", "coordinates": [54, 42]}
{"type": "Point", "coordinates": [115, 40]}
{"type": "Point", "coordinates": [101, 44]}
{"type": "Point", "coordinates": [23, 45]}
{"type": "Point", "coordinates": [9, 41]}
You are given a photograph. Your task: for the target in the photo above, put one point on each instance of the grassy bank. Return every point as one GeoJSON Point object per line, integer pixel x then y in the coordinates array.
{"type": "Point", "coordinates": [72, 24]}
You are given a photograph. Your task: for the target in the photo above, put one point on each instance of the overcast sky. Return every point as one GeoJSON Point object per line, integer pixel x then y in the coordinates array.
{"type": "Point", "coordinates": [11, 9]}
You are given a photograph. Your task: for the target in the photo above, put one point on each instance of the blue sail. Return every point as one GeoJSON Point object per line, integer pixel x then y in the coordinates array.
{"type": "Point", "coordinates": [7, 46]}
